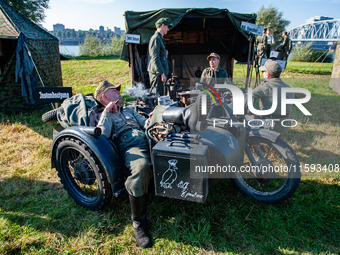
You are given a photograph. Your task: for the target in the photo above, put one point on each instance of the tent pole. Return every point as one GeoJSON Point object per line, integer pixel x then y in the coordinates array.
{"type": "Point", "coordinates": [248, 66]}
{"type": "Point", "coordinates": [132, 66]}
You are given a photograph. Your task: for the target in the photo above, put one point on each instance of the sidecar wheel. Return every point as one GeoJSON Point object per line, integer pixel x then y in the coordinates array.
{"type": "Point", "coordinates": [280, 175]}
{"type": "Point", "coordinates": [81, 174]}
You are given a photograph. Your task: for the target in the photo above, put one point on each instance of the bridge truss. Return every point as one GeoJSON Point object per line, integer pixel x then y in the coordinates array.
{"type": "Point", "coordinates": [328, 30]}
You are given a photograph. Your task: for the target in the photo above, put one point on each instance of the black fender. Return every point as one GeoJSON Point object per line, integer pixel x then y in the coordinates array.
{"type": "Point", "coordinates": [225, 149]}
{"type": "Point", "coordinates": [101, 147]}
{"type": "Point", "coordinates": [265, 133]}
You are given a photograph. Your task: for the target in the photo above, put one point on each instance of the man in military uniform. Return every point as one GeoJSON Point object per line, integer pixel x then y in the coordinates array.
{"type": "Point", "coordinates": [124, 126]}
{"type": "Point", "coordinates": [271, 73]}
{"type": "Point", "coordinates": [285, 47]}
{"type": "Point", "coordinates": [214, 75]}
{"type": "Point", "coordinates": [261, 46]}
{"type": "Point", "coordinates": [158, 66]}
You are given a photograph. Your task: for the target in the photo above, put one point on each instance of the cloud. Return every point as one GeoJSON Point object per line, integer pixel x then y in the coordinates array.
{"type": "Point", "coordinates": [94, 1]}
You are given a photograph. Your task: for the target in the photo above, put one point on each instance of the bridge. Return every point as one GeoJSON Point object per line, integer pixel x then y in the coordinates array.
{"type": "Point", "coordinates": [322, 34]}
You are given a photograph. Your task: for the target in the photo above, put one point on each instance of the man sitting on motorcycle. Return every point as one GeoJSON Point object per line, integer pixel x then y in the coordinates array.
{"type": "Point", "coordinates": [124, 126]}
{"type": "Point", "coordinates": [271, 73]}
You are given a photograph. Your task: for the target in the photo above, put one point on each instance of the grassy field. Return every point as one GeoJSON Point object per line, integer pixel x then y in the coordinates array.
{"type": "Point", "coordinates": [38, 217]}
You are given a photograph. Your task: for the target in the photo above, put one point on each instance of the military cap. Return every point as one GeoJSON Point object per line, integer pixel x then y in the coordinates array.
{"type": "Point", "coordinates": [265, 29]}
{"type": "Point", "coordinates": [213, 55]}
{"type": "Point", "coordinates": [164, 21]}
{"type": "Point", "coordinates": [102, 87]}
{"type": "Point", "coordinates": [271, 67]}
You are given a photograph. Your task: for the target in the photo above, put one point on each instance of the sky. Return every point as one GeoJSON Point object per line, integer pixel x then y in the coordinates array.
{"type": "Point", "coordinates": [86, 14]}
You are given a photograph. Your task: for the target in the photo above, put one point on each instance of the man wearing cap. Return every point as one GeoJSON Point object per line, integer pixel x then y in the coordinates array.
{"type": "Point", "coordinates": [158, 66]}
{"type": "Point", "coordinates": [214, 75]}
{"type": "Point", "coordinates": [271, 73]}
{"type": "Point", "coordinates": [124, 126]}
{"type": "Point", "coordinates": [261, 45]}
{"type": "Point", "coordinates": [285, 47]}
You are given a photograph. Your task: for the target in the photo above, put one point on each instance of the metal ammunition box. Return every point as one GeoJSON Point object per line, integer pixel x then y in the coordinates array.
{"type": "Point", "coordinates": [177, 167]}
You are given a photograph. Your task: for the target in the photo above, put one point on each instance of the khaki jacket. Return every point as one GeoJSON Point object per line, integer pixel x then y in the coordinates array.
{"type": "Point", "coordinates": [285, 47]}
{"type": "Point", "coordinates": [211, 77]}
{"type": "Point", "coordinates": [112, 124]}
{"type": "Point", "coordinates": [158, 60]}
{"type": "Point", "coordinates": [265, 93]}
{"type": "Point", "coordinates": [261, 42]}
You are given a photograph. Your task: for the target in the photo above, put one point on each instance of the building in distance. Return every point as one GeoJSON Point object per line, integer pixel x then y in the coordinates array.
{"type": "Point", "coordinates": [69, 36]}
{"type": "Point", "coordinates": [58, 27]}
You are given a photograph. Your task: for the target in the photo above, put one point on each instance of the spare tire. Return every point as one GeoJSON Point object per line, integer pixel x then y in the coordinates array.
{"type": "Point", "coordinates": [50, 116]}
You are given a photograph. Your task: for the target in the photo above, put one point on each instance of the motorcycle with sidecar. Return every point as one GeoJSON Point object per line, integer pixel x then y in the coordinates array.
{"type": "Point", "coordinates": [186, 164]}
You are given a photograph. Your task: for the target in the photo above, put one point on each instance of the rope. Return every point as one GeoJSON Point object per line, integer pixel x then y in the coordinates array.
{"type": "Point", "coordinates": [327, 51]}
{"type": "Point", "coordinates": [321, 61]}
{"type": "Point", "coordinates": [67, 50]}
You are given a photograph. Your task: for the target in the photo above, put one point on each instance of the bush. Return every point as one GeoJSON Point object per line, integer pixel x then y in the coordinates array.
{"type": "Point", "coordinates": [93, 47]}
{"type": "Point", "coordinates": [321, 56]}
{"type": "Point", "coordinates": [305, 53]}
{"type": "Point", "coordinates": [301, 53]}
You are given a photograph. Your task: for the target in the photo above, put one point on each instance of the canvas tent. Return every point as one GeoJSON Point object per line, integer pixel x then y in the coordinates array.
{"type": "Point", "coordinates": [194, 35]}
{"type": "Point", "coordinates": [25, 47]}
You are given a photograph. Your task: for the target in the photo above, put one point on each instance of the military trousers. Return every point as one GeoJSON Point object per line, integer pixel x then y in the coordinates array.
{"type": "Point", "coordinates": [261, 53]}
{"type": "Point", "coordinates": [282, 55]}
{"type": "Point", "coordinates": [156, 81]}
{"type": "Point", "coordinates": [134, 151]}
{"type": "Point", "coordinates": [269, 48]}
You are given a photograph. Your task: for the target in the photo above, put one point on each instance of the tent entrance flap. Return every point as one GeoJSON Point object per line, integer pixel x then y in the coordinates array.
{"type": "Point", "coordinates": [195, 34]}
{"type": "Point", "coordinates": [25, 71]}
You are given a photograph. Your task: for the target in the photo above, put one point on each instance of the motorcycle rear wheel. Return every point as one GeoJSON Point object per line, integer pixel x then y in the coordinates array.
{"type": "Point", "coordinates": [81, 175]}
{"type": "Point", "coordinates": [280, 175]}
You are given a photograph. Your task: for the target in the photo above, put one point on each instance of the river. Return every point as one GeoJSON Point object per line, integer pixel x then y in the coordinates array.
{"type": "Point", "coordinates": [72, 50]}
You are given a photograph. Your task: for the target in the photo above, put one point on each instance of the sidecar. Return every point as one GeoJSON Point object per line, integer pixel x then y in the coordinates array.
{"type": "Point", "coordinates": [92, 172]}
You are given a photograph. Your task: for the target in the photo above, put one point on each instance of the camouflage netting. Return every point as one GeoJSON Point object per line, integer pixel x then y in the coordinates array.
{"type": "Point", "coordinates": [45, 53]}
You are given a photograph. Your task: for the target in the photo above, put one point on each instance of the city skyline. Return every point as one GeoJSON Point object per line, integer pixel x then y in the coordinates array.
{"type": "Point", "coordinates": [55, 28]}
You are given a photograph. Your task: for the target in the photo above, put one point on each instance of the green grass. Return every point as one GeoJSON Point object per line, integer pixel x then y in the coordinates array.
{"type": "Point", "coordinates": [84, 75]}
{"type": "Point", "coordinates": [292, 70]}
{"type": "Point", "coordinates": [38, 217]}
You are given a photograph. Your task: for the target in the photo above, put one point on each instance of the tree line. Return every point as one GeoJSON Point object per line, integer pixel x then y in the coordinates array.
{"type": "Point", "coordinates": [71, 33]}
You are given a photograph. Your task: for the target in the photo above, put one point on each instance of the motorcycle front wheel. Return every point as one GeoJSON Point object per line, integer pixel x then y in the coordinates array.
{"type": "Point", "coordinates": [81, 175]}
{"type": "Point", "coordinates": [276, 174]}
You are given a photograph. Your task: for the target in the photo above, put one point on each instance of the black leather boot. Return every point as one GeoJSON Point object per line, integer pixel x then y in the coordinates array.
{"type": "Point", "coordinates": [139, 220]}
{"type": "Point", "coordinates": [194, 116]}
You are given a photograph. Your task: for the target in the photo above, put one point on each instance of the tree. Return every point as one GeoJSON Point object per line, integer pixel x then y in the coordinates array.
{"type": "Point", "coordinates": [91, 47]}
{"type": "Point", "coordinates": [31, 9]}
{"type": "Point", "coordinates": [73, 33]}
{"type": "Point", "coordinates": [273, 19]}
